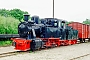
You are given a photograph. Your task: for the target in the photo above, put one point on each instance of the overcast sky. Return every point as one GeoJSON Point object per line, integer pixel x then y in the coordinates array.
{"type": "Point", "coordinates": [70, 10]}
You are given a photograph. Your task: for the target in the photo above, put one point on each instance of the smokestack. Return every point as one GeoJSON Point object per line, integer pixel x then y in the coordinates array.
{"type": "Point", "coordinates": [26, 17]}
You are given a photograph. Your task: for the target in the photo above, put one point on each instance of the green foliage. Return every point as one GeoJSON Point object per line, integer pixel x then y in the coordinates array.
{"type": "Point", "coordinates": [5, 42]}
{"type": "Point", "coordinates": [16, 13]}
{"type": "Point", "coordinates": [30, 51]}
{"type": "Point", "coordinates": [9, 20]}
{"type": "Point", "coordinates": [8, 25]}
{"type": "Point", "coordinates": [4, 12]}
{"type": "Point", "coordinates": [69, 22]}
{"type": "Point", "coordinates": [87, 21]}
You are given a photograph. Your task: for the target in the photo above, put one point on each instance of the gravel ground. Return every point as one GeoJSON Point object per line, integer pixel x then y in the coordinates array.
{"type": "Point", "coordinates": [59, 53]}
{"type": "Point", "coordinates": [7, 49]}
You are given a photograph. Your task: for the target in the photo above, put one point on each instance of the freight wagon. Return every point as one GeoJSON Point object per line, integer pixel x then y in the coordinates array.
{"type": "Point", "coordinates": [83, 30]}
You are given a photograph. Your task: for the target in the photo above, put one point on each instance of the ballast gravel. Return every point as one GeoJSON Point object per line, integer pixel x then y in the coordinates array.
{"type": "Point", "coordinates": [71, 52]}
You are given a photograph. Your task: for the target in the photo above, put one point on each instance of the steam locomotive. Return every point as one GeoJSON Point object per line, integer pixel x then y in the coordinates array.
{"type": "Point", "coordinates": [43, 33]}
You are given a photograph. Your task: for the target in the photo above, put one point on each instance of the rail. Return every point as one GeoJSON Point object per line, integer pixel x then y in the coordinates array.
{"type": "Point", "coordinates": [7, 54]}
{"type": "Point", "coordinates": [80, 57]}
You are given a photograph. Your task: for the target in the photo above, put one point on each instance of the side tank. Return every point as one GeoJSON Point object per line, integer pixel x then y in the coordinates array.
{"type": "Point", "coordinates": [54, 28]}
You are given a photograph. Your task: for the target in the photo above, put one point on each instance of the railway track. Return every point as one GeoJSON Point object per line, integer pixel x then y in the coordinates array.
{"type": "Point", "coordinates": [20, 52]}
{"type": "Point", "coordinates": [7, 54]}
{"type": "Point", "coordinates": [80, 56]}
{"type": "Point", "coordinates": [12, 53]}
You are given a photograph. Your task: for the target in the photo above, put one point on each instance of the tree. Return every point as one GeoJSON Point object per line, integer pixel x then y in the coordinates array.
{"type": "Point", "coordinates": [9, 20]}
{"type": "Point", "coordinates": [87, 21]}
{"type": "Point", "coordinates": [16, 13]}
{"type": "Point", "coordinates": [4, 12]}
{"type": "Point", "coordinates": [69, 22]}
{"type": "Point", "coordinates": [8, 25]}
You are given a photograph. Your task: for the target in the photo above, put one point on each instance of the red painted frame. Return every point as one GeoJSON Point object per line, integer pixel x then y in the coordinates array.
{"type": "Point", "coordinates": [21, 44]}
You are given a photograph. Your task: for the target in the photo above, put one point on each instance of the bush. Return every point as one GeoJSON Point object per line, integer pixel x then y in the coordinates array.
{"type": "Point", "coordinates": [5, 42]}
{"type": "Point", "coordinates": [8, 25]}
{"type": "Point", "coordinates": [16, 13]}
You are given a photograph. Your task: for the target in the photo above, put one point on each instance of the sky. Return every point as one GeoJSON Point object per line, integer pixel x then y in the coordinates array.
{"type": "Point", "coordinates": [70, 10]}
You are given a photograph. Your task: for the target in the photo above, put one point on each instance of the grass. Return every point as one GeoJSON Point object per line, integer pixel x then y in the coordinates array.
{"type": "Point", "coordinates": [30, 51]}
{"type": "Point", "coordinates": [5, 42]}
